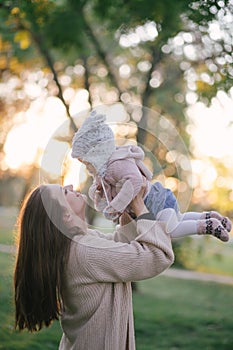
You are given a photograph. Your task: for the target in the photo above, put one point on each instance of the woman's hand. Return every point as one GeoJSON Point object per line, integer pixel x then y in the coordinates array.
{"type": "Point", "coordinates": [137, 205]}
{"type": "Point", "coordinates": [125, 219]}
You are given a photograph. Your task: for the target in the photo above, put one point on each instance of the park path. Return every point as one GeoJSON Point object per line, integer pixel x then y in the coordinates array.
{"type": "Point", "coordinates": [200, 276]}
{"type": "Point", "coordinates": [172, 272]}
{"type": "Point", "coordinates": [6, 248]}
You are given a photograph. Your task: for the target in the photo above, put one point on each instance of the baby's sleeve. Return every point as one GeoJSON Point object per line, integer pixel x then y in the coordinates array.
{"type": "Point", "coordinates": [127, 180]}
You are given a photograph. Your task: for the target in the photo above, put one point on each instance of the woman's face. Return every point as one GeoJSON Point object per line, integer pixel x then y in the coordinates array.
{"type": "Point", "coordinates": [69, 198]}
{"type": "Point", "coordinates": [76, 200]}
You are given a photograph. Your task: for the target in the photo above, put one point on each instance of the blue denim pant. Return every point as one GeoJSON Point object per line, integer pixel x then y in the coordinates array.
{"type": "Point", "coordinates": [160, 198]}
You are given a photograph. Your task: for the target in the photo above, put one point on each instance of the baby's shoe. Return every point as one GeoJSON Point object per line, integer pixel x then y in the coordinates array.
{"type": "Point", "coordinates": [225, 221]}
{"type": "Point", "coordinates": [212, 227]}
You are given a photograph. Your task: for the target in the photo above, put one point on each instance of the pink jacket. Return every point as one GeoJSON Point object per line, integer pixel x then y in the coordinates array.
{"type": "Point", "coordinates": [122, 181]}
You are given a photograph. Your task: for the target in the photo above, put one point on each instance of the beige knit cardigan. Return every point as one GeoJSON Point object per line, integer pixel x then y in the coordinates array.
{"type": "Point", "coordinates": [98, 313]}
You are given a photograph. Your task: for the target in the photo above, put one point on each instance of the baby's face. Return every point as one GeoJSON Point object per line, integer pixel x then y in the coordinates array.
{"type": "Point", "coordinates": [89, 166]}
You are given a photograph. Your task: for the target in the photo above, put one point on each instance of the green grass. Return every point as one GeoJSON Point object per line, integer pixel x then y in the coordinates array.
{"type": "Point", "coordinates": [177, 314]}
{"type": "Point", "coordinates": [8, 219]}
{"type": "Point", "coordinates": [217, 257]}
{"type": "Point", "coordinates": [170, 314]}
{"type": "Point", "coordinates": [6, 236]}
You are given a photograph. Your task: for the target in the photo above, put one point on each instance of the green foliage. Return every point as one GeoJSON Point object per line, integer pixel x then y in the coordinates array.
{"type": "Point", "coordinates": [69, 24]}
{"type": "Point", "coordinates": [186, 253]}
{"type": "Point", "coordinates": [203, 12]}
{"type": "Point", "coordinates": [64, 29]}
{"type": "Point", "coordinates": [206, 254]}
{"type": "Point", "coordinates": [126, 14]}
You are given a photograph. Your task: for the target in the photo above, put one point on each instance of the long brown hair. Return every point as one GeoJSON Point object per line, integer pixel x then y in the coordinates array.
{"type": "Point", "coordinates": [42, 254]}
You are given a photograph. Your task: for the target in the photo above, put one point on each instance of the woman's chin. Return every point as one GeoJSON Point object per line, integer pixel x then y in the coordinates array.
{"type": "Point", "coordinates": [84, 197]}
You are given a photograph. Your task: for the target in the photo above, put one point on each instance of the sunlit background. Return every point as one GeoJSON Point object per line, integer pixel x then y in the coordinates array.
{"type": "Point", "coordinates": [39, 138]}
{"type": "Point", "coordinates": [210, 129]}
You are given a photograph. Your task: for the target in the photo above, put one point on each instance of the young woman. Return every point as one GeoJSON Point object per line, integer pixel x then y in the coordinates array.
{"type": "Point", "coordinates": [83, 277]}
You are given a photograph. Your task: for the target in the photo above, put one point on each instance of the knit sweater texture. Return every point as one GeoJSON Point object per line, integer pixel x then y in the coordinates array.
{"type": "Point", "coordinates": [97, 296]}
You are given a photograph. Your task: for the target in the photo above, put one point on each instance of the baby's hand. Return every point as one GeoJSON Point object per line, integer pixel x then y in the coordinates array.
{"type": "Point", "coordinates": [111, 214]}
{"type": "Point", "coordinates": [125, 219]}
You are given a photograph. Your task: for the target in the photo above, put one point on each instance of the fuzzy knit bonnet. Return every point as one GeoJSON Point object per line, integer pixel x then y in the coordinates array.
{"type": "Point", "coordinates": [94, 142]}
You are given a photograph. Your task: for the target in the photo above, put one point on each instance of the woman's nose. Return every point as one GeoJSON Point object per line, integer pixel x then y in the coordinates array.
{"type": "Point", "coordinates": [69, 187]}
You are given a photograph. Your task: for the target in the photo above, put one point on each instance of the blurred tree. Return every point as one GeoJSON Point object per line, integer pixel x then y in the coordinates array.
{"type": "Point", "coordinates": [142, 37]}
{"type": "Point", "coordinates": [220, 196]}
{"type": "Point", "coordinates": [150, 53]}
{"type": "Point", "coordinates": [161, 55]}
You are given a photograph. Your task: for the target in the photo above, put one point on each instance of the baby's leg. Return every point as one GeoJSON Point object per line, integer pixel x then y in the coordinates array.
{"type": "Point", "coordinates": [225, 221]}
{"type": "Point", "coordinates": [184, 228]}
{"type": "Point", "coordinates": [174, 226]}
{"type": "Point", "coordinates": [190, 215]}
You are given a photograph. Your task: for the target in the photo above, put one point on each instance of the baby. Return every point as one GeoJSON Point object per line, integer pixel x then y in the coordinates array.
{"type": "Point", "coordinates": [118, 175]}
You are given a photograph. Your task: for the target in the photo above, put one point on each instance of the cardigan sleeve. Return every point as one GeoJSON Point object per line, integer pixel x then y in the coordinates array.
{"type": "Point", "coordinates": [103, 260]}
